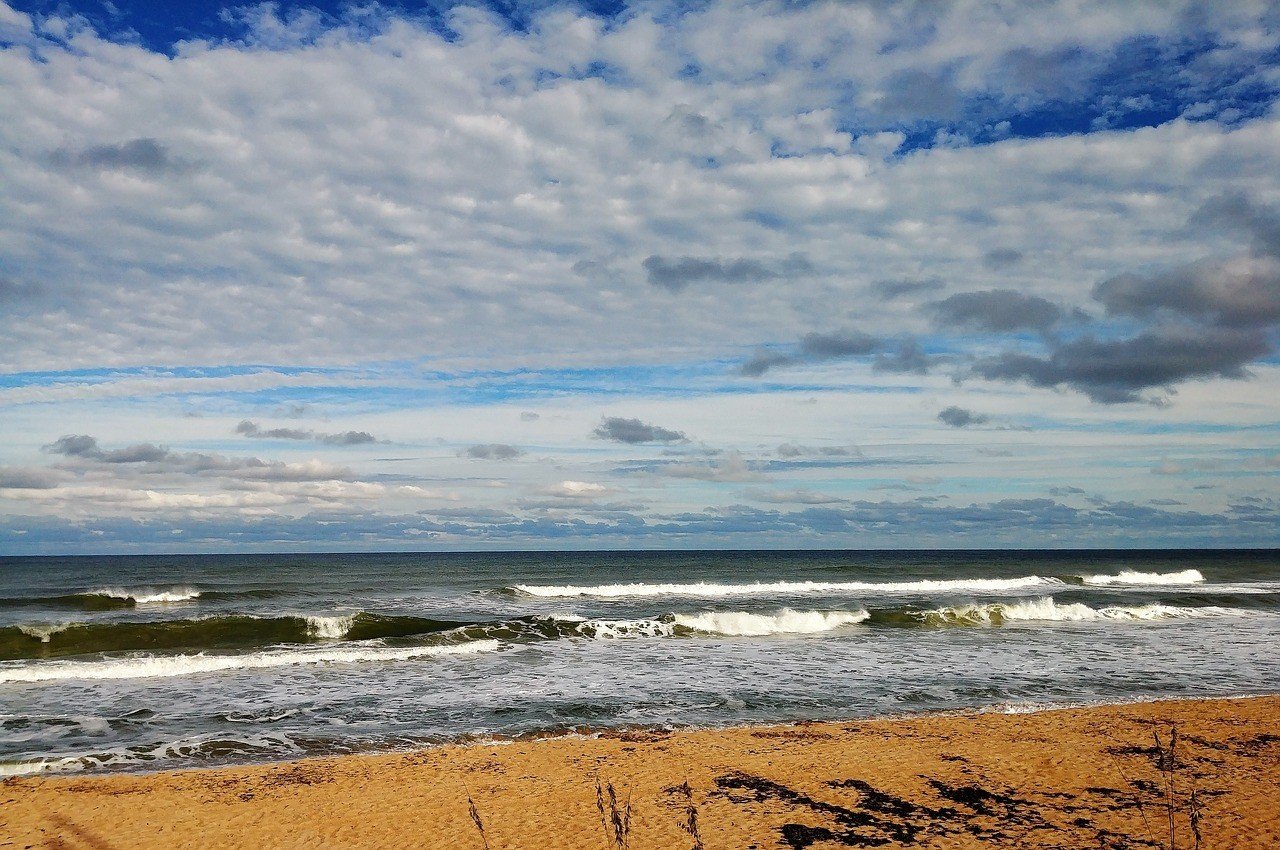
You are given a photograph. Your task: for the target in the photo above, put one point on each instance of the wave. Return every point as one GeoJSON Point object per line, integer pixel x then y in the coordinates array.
{"type": "Point", "coordinates": [612, 591]}
{"type": "Point", "coordinates": [1131, 577]}
{"type": "Point", "coordinates": [40, 640]}
{"type": "Point", "coordinates": [148, 596]}
{"type": "Point", "coordinates": [785, 621]}
{"type": "Point", "coordinates": [1047, 610]}
{"type": "Point", "coordinates": [148, 667]}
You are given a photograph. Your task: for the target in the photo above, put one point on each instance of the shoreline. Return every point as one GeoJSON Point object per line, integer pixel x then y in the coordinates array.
{"type": "Point", "coordinates": [1073, 776]}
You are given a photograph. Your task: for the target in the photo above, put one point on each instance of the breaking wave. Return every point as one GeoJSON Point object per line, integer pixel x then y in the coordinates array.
{"type": "Point", "coordinates": [1131, 577]}
{"type": "Point", "coordinates": [785, 621]}
{"type": "Point", "coordinates": [708, 589]}
{"type": "Point", "coordinates": [1047, 610]}
{"type": "Point", "coordinates": [147, 667]}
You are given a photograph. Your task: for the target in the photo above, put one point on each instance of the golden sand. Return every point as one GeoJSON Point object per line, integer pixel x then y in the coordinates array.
{"type": "Point", "coordinates": [1088, 777]}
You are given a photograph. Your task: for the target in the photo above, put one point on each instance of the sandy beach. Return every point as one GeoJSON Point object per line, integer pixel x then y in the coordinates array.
{"type": "Point", "coordinates": [1089, 777]}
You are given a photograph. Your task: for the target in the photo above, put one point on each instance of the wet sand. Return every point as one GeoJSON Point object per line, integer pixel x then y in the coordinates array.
{"type": "Point", "coordinates": [1089, 777]}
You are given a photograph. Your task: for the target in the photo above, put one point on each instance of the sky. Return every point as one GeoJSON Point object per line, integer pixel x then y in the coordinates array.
{"type": "Point", "coordinates": [536, 275]}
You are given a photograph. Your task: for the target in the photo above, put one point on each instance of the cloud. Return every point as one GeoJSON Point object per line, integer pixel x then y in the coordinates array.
{"type": "Point", "coordinates": [252, 430]}
{"type": "Point", "coordinates": [794, 497]}
{"type": "Point", "coordinates": [958, 417]}
{"type": "Point", "coordinates": [908, 358]}
{"type": "Point", "coordinates": [890, 289]}
{"type": "Point", "coordinates": [1002, 258]}
{"type": "Point", "coordinates": [676, 274]}
{"type": "Point", "coordinates": [793, 450]}
{"type": "Point", "coordinates": [152, 459]}
{"type": "Point", "coordinates": [143, 154]}
{"type": "Point", "coordinates": [730, 466]}
{"type": "Point", "coordinates": [529, 416]}
{"type": "Point", "coordinates": [997, 310]}
{"type": "Point", "coordinates": [493, 451]}
{"type": "Point", "coordinates": [576, 490]}
{"type": "Point", "coordinates": [1117, 371]}
{"type": "Point", "coordinates": [1238, 214]}
{"type": "Point", "coordinates": [1242, 292]}
{"type": "Point", "coordinates": [813, 347]}
{"type": "Point", "coordinates": [830, 346]}
{"type": "Point", "coordinates": [27, 478]}
{"type": "Point", "coordinates": [633, 431]}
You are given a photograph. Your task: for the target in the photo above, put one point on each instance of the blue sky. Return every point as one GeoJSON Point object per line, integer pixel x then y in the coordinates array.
{"type": "Point", "coordinates": [739, 274]}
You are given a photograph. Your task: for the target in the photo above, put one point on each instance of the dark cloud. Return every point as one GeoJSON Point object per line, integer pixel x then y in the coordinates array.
{"type": "Point", "coordinates": [253, 430]}
{"type": "Point", "coordinates": [529, 416]}
{"type": "Point", "coordinates": [155, 459]}
{"type": "Point", "coordinates": [74, 445]}
{"type": "Point", "coordinates": [1240, 293]}
{"type": "Point", "coordinates": [1235, 212]}
{"type": "Point", "coordinates": [998, 310]}
{"type": "Point", "coordinates": [633, 431]}
{"type": "Point", "coordinates": [494, 451]}
{"type": "Point", "coordinates": [762, 361]}
{"type": "Point", "coordinates": [907, 358]}
{"type": "Point", "coordinates": [1117, 371]}
{"type": "Point", "coordinates": [26, 478]}
{"type": "Point", "coordinates": [142, 154]}
{"type": "Point", "coordinates": [917, 93]}
{"type": "Point", "coordinates": [347, 438]}
{"type": "Point", "coordinates": [889, 289]}
{"type": "Point", "coordinates": [818, 346]}
{"type": "Point", "coordinates": [675, 274]}
{"type": "Point", "coordinates": [813, 347]}
{"type": "Point", "coordinates": [958, 417]}
{"type": "Point", "coordinates": [1001, 258]}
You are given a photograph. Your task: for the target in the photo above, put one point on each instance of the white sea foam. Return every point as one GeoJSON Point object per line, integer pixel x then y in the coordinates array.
{"type": "Point", "coordinates": [1045, 609]}
{"type": "Point", "coordinates": [43, 631]}
{"type": "Point", "coordinates": [148, 595]}
{"type": "Point", "coordinates": [1132, 577]}
{"type": "Point", "coordinates": [330, 628]}
{"type": "Point", "coordinates": [785, 621]}
{"type": "Point", "coordinates": [145, 667]}
{"type": "Point", "coordinates": [609, 591]}
{"type": "Point", "coordinates": [627, 628]}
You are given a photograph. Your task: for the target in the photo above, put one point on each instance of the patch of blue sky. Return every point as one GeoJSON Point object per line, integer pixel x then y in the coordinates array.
{"type": "Point", "coordinates": [162, 26]}
{"type": "Point", "coordinates": [1145, 83]}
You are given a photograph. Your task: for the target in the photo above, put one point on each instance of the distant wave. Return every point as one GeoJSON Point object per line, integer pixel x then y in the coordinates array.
{"type": "Point", "coordinates": [42, 640]}
{"type": "Point", "coordinates": [1130, 577]}
{"type": "Point", "coordinates": [1047, 610]}
{"type": "Point", "coordinates": [147, 667]}
{"type": "Point", "coordinates": [708, 589]}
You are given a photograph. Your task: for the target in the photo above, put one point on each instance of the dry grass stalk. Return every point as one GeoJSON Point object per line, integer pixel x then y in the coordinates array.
{"type": "Point", "coordinates": [475, 818]}
{"type": "Point", "coordinates": [615, 819]}
{"type": "Point", "coordinates": [690, 824]}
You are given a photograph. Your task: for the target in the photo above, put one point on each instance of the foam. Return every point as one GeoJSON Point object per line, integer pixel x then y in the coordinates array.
{"type": "Point", "coordinates": [610, 591]}
{"type": "Point", "coordinates": [146, 667]}
{"type": "Point", "coordinates": [330, 628]}
{"type": "Point", "coordinates": [786, 621]}
{"type": "Point", "coordinates": [1132, 577]}
{"type": "Point", "coordinates": [1046, 610]}
{"type": "Point", "coordinates": [43, 631]}
{"type": "Point", "coordinates": [149, 596]}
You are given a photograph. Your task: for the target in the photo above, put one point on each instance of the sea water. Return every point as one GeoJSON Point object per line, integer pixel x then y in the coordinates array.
{"type": "Point", "coordinates": [126, 663]}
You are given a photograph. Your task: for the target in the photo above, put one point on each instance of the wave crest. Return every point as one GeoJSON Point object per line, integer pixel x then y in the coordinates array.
{"type": "Point", "coordinates": [612, 591]}
{"type": "Point", "coordinates": [786, 621]}
{"type": "Point", "coordinates": [148, 667]}
{"type": "Point", "coordinates": [1134, 577]}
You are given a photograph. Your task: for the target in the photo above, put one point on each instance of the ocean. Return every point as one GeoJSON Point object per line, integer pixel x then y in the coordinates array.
{"type": "Point", "coordinates": [157, 662]}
